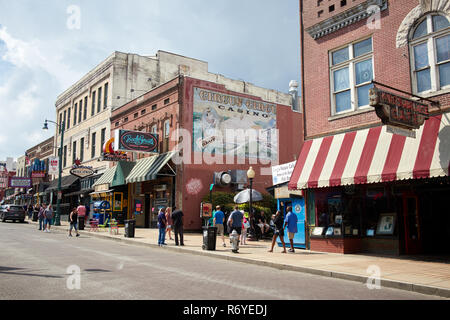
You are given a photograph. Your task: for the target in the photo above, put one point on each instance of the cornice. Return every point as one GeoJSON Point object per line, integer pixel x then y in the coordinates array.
{"type": "Point", "coordinates": [345, 19]}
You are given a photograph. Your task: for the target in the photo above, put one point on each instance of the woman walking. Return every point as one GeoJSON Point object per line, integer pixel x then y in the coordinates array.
{"type": "Point", "coordinates": [279, 232]}
{"type": "Point", "coordinates": [169, 222]}
{"type": "Point", "coordinates": [73, 218]}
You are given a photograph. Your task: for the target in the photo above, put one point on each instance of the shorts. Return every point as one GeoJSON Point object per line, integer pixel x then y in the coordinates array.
{"type": "Point", "coordinates": [219, 229]}
{"type": "Point", "coordinates": [279, 232]}
{"type": "Point", "coordinates": [74, 226]}
{"type": "Point", "coordinates": [291, 235]}
{"type": "Point", "coordinates": [238, 230]}
{"type": "Point", "coordinates": [48, 221]}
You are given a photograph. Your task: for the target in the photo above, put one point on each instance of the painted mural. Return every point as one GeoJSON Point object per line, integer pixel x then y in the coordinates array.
{"type": "Point", "coordinates": [251, 123]}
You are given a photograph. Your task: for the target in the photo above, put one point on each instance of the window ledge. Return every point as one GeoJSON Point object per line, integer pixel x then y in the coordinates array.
{"type": "Point", "coordinates": [434, 93]}
{"type": "Point", "coordinates": [349, 114]}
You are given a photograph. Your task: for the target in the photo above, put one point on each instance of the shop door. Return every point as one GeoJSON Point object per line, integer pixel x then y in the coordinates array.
{"type": "Point", "coordinates": [147, 211]}
{"type": "Point", "coordinates": [413, 241]}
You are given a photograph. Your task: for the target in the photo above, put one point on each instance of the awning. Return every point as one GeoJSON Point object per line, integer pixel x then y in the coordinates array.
{"type": "Point", "coordinates": [115, 176]}
{"type": "Point", "coordinates": [100, 192]}
{"type": "Point", "coordinates": [374, 155]}
{"type": "Point", "coordinates": [148, 168]}
{"type": "Point", "coordinates": [77, 193]}
{"type": "Point", "coordinates": [66, 182]}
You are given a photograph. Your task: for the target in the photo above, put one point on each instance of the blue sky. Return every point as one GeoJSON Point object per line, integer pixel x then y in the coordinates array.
{"type": "Point", "coordinates": [252, 40]}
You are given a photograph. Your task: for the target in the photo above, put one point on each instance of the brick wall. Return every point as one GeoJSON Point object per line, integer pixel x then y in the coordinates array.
{"type": "Point", "coordinates": [391, 64]}
{"type": "Point", "coordinates": [336, 245]}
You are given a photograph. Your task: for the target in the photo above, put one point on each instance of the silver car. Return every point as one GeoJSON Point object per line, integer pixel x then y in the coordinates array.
{"type": "Point", "coordinates": [12, 212]}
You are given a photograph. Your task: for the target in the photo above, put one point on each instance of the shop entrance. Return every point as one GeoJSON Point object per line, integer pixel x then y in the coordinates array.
{"type": "Point", "coordinates": [411, 222]}
{"type": "Point", "coordinates": [147, 211]}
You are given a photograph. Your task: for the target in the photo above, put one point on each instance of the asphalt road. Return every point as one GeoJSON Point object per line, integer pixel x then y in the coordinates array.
{"type": "Point", "coordinates": [43, 266]}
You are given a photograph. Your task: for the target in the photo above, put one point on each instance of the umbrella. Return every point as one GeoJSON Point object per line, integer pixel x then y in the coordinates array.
{"type": "Point", "coordinates": [244, 196]}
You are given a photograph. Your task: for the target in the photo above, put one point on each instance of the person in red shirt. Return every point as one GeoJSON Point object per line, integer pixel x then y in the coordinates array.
{"type": "Point", "coordinates": [81, 210]}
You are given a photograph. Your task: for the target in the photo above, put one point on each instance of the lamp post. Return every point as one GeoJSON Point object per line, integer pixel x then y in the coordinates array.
{"type": "Point", "coordinates": [250, 175]}
{"type": "Point", "coordinates": [58, 201]}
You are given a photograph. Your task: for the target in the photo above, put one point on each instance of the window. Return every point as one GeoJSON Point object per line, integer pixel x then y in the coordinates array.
{"type": "Point", "coordinates": [68, 117]}
{"type": "Point", "coordinates": [166, 128]}
{"type": "Point", "coordinates": [136, 115]}
{"type": "Point", "coordinates": [81, 149]}
{"type": "Point", "coordinates": [105, 96]}
{"type": "Point", "coordinates": [65, 115]}
{"type": "Point", "coordinates": [166, 101]}
{"type": "Point", "coordinates": [125, 120]}
{"type": "Point", "coordinates": [65, 156]}
{"type": "Point", "coordinates": [93, 103]}
{"type": "Point", "coordinates": [142, 112]}
{"type": "Point", "coordinates": [154, 107]}
{"type": "Point", "coordinates": [99, 101]}
{"type": "Point", "coordinates": [351, 76]}
{"type": "Point", "coordinates": [80, 111]}
{"type": "Point", "coordinates": [74, 152]}
{"type": "Point", "coordinates": [85, 108]}
{"type": "Point", "coordinates": [75, 114]}
{"type": "Point", "coordinates": [430, 54]}
{"type": "Point", "coordinates": [117, 123]}
{"type": "Point", "coordinates": [102, 139]}
{"type": "Point", "coordinates": [60, 122]}
{"type": "Point", "coordinates": [93, 145]}
{"type": "Point", "coordinates": [154, 129]}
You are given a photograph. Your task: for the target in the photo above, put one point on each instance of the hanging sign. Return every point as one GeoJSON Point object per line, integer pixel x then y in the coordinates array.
{"type": "Point", "coordinates": [398, 111]}
{"type": "Point", "coordinates": [109, 153]}
{"type": "Point", "coordinates": [81, 171]}
{"type": "Point", "coordinates": [15, 182]}
{"type": "Point", "coordinates": [135, 141]}
{"type": "Point", "coordinates": [53, 165]}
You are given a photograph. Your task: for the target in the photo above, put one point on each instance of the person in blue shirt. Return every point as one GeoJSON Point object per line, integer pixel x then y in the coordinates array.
{"type": "Point", "coordinates": [219, 218]}
{"type": "Point", "coordinates": [162, 227]}
{"type": "Point", "coordinates": [291, 222]}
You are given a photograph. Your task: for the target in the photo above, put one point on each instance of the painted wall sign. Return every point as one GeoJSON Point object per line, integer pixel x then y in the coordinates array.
{"type": "Point", "coordinates": [15, 182]}
{"type": "Point", "coordinates": [396, 110]}
{"type": "Point", "coordinates": [82, 172]}
{"type": "Point", "coordinates": [135, 141]}
{"type": "Point", "coordinates": [216, 114]}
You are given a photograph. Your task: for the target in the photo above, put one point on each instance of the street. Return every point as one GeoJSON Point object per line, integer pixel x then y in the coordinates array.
{"type": "Point", "coordinates": [37, 265]}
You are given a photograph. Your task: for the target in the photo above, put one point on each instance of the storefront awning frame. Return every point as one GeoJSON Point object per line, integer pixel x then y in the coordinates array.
{"type": "Point", "coordinates": [148, 168]}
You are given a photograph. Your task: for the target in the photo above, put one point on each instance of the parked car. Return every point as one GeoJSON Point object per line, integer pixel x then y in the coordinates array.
{"type": "Point", "coordinates": [12, 212]}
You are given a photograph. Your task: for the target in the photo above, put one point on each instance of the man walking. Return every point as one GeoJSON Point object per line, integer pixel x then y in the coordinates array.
{"type": "Point", "coordinates": [177, 218]}
{"type": "Point", "coordinates": [219, 218]}
{"type": "Point", "coordinates": [41, 217]}
{"type": "Point", "coordinates": [235, 220]}
{"type": "Point", "coordinates": [162, 227]}
{"type": "Point", "coordinates": [48, 213]}
{"type": "Point", "coordinates": [291, 222]}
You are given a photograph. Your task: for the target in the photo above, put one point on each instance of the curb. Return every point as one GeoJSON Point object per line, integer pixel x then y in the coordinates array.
{"type": "Point", "coordinates": [406, 286]}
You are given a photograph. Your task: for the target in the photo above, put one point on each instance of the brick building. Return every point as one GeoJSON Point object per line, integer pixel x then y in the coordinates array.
{"type": "Point", "coordinates": [181, 175]}
{"type": "Point", "coordinates": [371, 189]}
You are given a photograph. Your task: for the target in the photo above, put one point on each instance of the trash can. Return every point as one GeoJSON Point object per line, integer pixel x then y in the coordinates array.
{"type": "Point", "coordinates": [129, 228]}
{"type": "Point", "coordinates": [35, 215]}
{"type": "Point", "coordinates": [209, 238]}
{"type": "Point", "coordinates": [80, 223]}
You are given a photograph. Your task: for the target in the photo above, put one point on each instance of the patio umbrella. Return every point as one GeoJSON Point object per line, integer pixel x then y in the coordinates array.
{"type": "Point", "coordinates": [244, 196]}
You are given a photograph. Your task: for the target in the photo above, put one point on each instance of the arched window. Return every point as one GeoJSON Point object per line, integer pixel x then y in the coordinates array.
{"type": "Point", "coordinates": [430, 54]}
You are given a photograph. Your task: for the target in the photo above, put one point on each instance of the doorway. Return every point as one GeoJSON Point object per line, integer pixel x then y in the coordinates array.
{"type": "Point", "coordinates": [411, 224]}
{"type": "Point", "coordinates": [147, 211]}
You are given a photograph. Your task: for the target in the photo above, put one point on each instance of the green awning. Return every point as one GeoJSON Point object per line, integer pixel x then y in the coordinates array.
{"type": "Point", "coordinates": [148, 168]}
{"type": "Point", "coordinates": [115, 176]}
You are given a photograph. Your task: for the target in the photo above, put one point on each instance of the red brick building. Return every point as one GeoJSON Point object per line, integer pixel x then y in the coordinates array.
{"type": "Point", "coordinates": [359, 176]}
{"type": "Point", "coordinates": [190, 113]}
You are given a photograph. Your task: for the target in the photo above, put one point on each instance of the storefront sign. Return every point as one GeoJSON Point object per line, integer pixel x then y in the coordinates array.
{"type": "Point", "coordinates": [15, 182]}
{"type": "Point", "coordinates": [136, 141]}
{"type": "Point", "coordinates": [53, 165]}
{"type": "Point", "coordinates": [398, 111]}
{"type": "Point", "coordinates": [38, 174]}
{"type": "Point", "coordinates": [282, 173]}
{"type": "Point", "coordinates": [109, 154]}
{"type": "Point", "coordinates": [82, 172]}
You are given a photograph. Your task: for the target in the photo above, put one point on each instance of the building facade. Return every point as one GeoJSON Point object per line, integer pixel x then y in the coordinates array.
{"type": "Point", "coordinates": [371, 185]}
{"type": "Point", "coordinates": [188, 114]}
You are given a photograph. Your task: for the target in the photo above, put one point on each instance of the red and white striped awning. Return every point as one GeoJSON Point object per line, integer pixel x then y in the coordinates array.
{"type": "Point", "coordinates": [374, 155]}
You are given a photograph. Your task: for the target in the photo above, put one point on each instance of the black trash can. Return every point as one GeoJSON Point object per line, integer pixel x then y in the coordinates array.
{"type": "Point", "coordinates": [129, 228]}
{"type": "Point", "coordinates": [35, 215]}
{"type": "Point", "coordinates": [80, 223]}
{"type": "Point", "coordinates": [209, 238]}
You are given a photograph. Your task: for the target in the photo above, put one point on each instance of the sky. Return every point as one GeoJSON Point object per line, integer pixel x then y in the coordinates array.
{"type": "Point", "coordinates": [48, 45]}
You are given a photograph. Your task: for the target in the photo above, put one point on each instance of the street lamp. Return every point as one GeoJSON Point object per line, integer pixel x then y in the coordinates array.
{"type": "Point", "coordinates": [58, 201]}
{"type": "Point", "coordinates": [251, 175]}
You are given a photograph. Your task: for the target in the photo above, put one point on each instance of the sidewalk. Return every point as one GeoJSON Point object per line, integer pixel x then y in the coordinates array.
{"type": "Point", "coordinates": [404, 273]}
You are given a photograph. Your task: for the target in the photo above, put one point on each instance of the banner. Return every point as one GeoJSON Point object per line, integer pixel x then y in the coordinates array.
{"type": "Point", "coordinates": [53, 165]}
{"type": "Point", "coordinates": [282, 173]}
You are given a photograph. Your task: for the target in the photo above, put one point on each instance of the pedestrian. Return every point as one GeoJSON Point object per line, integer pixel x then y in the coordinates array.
{"type": "Point", "coordinates": [219, 218]}
{"type": "Point", "coordinates": [177, 218]}
{"type": "Point", "coordinates": [41, 217]}
{"type": "Point", "coordinates": [279, 231]}
{"type": "Point", "coordinates": [169, 222]}
{"type": "Point", "coordinates": [73, 220]}
{"type": "Point", "coordinates": [291, 222]}
{"type": "Point", "coordinates": [235, 220]}
{"type": "Point", "coordinates": [81, 212]}
{"type": "Point", "coordinates": [161, 227]}
{"type": "Point", "coordinates": [30, 211]}
{"type": "Point", "coordinates": [245, 227]}
{"type": "Point", "coordinates": [48, 213]}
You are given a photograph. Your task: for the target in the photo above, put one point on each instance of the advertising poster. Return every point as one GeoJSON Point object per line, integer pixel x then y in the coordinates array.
{"type": "Point", "coordinates": [53, 165]}
{"type": "Point", "coordinates": [253, 122]}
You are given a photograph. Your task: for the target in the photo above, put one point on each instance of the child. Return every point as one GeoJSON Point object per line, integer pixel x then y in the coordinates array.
{"type": "Point", "coordinates": [245, 226]}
